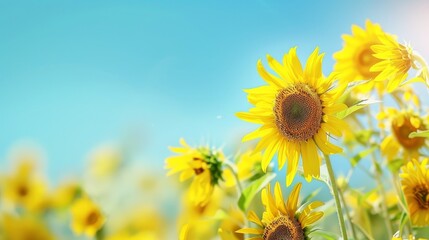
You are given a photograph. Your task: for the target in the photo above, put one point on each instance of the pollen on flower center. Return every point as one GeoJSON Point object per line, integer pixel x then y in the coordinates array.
{"type": "Point", "coordinates": [298, 112]}
{"type": "Point", "coordinates": [283, 228]}
{"type": "Point", "coordinates": [421, 194]}
{"type": "Point", "coordinates": [402, 131]}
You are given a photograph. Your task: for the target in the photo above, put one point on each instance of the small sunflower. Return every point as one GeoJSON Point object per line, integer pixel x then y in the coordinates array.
{"type": "Point", "coordinates": [25, 189]}
{"type": "Point", "coordinates": [395, 60]}
{"type": "Point", "coordinates": [202, 164]}
{"type": "Point", "coordinates": [281, 220]}
{"type": "Point", "coordinates": [356, 58]}
{"type": "Point", "coordinates": [23, 228]}
{"type": "Point", "coordinates": [415, 185]}
{"type": "Point", "coordinates": [403, 123]}
{"type": "Point", "coordinates": [86, 217]}
{"type": "Point", "coordinates": [297, 112]}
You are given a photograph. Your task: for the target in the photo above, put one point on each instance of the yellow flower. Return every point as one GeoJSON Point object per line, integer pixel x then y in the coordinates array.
{"type": "Point", "coordinates": [137, 221]}
{"type": "Point", "coordinates": [402, 124]}
{"type": "Point", "coordinates": [297, 111]}
{"type": "Point", "coordinates": [202, 164]}
{"type": "Point", "coordinates": [24, 189]}
{"type": "Point", "coordinates": [86, 217]}
{"type": "Point", "coordinates": [105, 161]}
{"type": "Point", "coordinates": [395, 61]}
{"type": "Point", "coordinates": [282, 218]}
{"type": "Point", "coordinates": [64, 195]}
{"type": "Point", "coordinates": [356, 58]}
{"type": "Point", "coordinates": [230, 224]}
{"type": "Point", "coordinates": [23, 228]}
{"type": "Point", "coordinates": [199, 219]}
{"type": "Point", "coordinates": [415, 185]}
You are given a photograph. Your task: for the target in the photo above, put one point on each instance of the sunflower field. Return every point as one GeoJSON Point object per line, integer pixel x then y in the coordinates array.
{"type": "Point", "coordinates": [196, 121]}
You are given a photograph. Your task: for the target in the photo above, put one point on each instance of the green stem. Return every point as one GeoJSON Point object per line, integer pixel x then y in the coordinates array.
{"type": "Point", "coordinates": [234, 173]}
{"type": "Point", "coordinates": [334, 190]}
{"type": "Point", "coordinates": [346, 210]}
{"type": "Point", "coordinates": [378, 177]}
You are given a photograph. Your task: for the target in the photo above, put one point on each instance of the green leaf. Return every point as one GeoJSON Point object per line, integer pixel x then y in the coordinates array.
{"type": "Point", "coordinates": [402, 222]}
{"type": "Point", "coordinates": [356, 159]}
{"type": "Point", "coordinates": [311, 195]}
{"type": "Point", "coordinates": [419, 134]}
{"type": "Point", "coordinates": [364, 136]}
{"type": "Point", "coordinates": [324, 234]}
{"type": "Point", "coordinates": [395, 164]}
{"type": "Point", "coordinates": [254, 188]}
{"type": "Point", "coordinates": [355, 107]}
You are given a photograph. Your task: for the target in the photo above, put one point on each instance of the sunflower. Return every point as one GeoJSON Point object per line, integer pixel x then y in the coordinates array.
{"type": "Point", "coordinates": [281, 220]}
{"type": "Point", "coordinates": [202, 164]}
{"type": "Point", "coordinates": [356, 58]}
{"type": "Point", "coordinates": [23, 228]}
{"type": "Point", "coordinates": [24, 188]}
{"type": "Point", "coordinates": [86, 217]}
{"type": "Point", "coordinates": [233, 221]}
{"type": "Point", "coordinates": [415, 185]}
{"type": "Point", "coordinates": [402, 123]}
{"type": "Point", "coordinates": [297, 111]}
{"type": "Point", "coordinates": [395, 60]}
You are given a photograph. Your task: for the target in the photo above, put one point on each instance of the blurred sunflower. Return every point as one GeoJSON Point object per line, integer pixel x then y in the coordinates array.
{"type": "Point", "coordinates": [23, 228]}
{"type": "Point", "coordinates": [199, 219]}
{"type": "Point", "coordinates": [356, 58]}
{"type": "Point", "coordinates": [395, 60]}
{"type": "Point", "coordinates": [402, 123]}
{"type": "Point", "coordinates": [248, 165]}
{"type": "Point", "coordinates": [230, 224]}
{"type": "Point", "coordinates": [24, 189]}
{"type": "Point", "coordinates": [202, 164]}
{"type": "Point", "coordinates": [415, 185]}
{"type": "Point", "coordinates": [281, 219]}
{"type": "Point", "coordinates": [86, 217]}
{"type": "Point", "coordinates": [297, 112]}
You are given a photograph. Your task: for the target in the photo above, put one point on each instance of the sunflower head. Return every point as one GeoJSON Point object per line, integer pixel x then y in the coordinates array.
{"type": "Point", "coordinates": [281, 220]}
{"type": "Point", "coordinates": [395, 60]}
{"type": "Point", "coordinates": [404, 124]}
{"type": "Point", "coordinates": [203, 165]}
{"type": "Point", "coordinates": [86, 217]}
{"type": "Point", "coordinates": [401, 124]}
{"type": "Point", "coordinates": [297, 110]}
{"type": "Point", "coordinates": [356, 58]}
{"type": "Point", "coordinates": [415, 184]}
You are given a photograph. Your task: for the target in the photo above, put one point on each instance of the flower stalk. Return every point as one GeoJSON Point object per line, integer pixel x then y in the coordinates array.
{"type": "Point", "coordinates": [334, 191]}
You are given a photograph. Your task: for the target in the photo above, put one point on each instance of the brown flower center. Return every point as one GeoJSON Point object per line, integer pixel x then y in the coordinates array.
{"type": "Point", "coordinates": [402, 132]}
{"type": "Point", "coordinates": [283, 228]}
{"type": "Point", "coordinates": [298, 112]}
{"type": "Point", "coordinates": [23, 191]}
{"type": "Point", "coordinates": [92, 218]}
{"type": "Point", "coordinates": [365, 60]}
{"type": "Point", "coordinates": [421, 195]}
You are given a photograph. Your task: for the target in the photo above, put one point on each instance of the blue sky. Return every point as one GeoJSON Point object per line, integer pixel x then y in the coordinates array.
{"type": "Point", "coordinates": [74, 74]}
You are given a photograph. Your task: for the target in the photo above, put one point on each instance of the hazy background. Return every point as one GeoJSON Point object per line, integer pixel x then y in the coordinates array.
{"type": "Point", "coordinates": [75, 74]}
